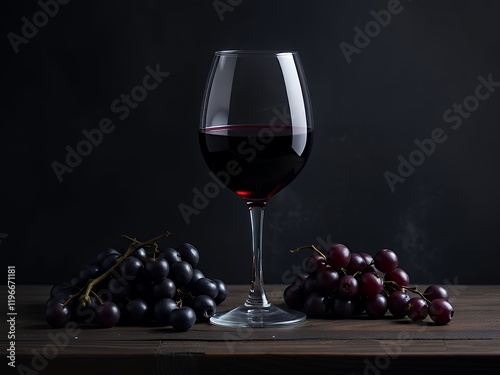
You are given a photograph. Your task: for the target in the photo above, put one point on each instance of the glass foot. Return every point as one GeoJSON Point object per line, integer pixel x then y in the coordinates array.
{"type": "Point", "coordinates": [246, 316]}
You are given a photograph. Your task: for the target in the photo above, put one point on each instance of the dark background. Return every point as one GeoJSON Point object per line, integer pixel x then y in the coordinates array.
{"type": "Point", "coordinates": [442, 221]}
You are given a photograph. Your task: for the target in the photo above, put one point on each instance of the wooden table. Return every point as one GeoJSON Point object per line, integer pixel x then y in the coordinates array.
{"type": "Point", "coordinates": [469, 344]}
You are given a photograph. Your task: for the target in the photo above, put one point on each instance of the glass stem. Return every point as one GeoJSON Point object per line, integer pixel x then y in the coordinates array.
{"type": "Point", "coordinates": [257, 296]}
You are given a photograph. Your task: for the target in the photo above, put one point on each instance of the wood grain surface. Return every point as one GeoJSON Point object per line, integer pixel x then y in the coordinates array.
{"type": "Point", "coordinates": [470, 343]}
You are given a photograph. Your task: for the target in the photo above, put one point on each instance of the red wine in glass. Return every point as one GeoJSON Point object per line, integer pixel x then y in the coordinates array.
{"type": "Point", "coordinates": [263, 158]}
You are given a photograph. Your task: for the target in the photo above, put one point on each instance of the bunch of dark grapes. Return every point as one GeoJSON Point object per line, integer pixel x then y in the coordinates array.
{"type": "Point", "coordinates": [145, 285]}
{"type": "Point", "coordinates": [340, 283]}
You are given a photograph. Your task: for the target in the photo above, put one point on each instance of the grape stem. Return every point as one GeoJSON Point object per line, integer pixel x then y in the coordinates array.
{"type": "Point", "coordinates": [97, 296]}
{"type": "Point", "coordinates": [362, 270]}
{"type": "Point", "coordinates": [413, 289]}
{"type": "Point", "coordinates": [309, 247]}
{"type": "Point", "coordinates": [182, 296]}
{"type": "Point", "coordinates": [85, 298]}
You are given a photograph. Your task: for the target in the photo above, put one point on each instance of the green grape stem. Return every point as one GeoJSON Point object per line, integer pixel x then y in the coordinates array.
{"type": "Point", "coordinates": [183, 296]}
{"type": "Point", "coordinates": [97, 296]}
{"type": "Point", "coordinates": [85, 297]}
{"type": "Point", "coordinates": [312, 247]}
{"type": "Point", "coordinates": [155, 250]}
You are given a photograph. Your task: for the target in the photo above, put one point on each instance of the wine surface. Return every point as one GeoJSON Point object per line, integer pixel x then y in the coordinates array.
{"type": "Point", "coordinates": [259, 160]}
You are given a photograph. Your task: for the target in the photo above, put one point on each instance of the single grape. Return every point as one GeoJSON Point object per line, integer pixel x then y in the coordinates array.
{"type": "Point", "coordinates": [56, 299]}
{"type": "Point", "coordinates": [197, 274]}
{"type": "Point", "coordinates": [348, 287]}
{"type": "Point", "coordinates": [385, 260]}
{"type": "Point", "coordinates": [294, 296]}
{"type": "Point", "coordinates": [136, 312]}
{"type": "Point", "coordinates": [89, 272]}
{"type": "Point", "coordinates": [189, 253]}
{"type": "Point", "coordinates": [441, 311]}
{"type": "Point", "coordinates": [162, 310]}
{"type": "Point", "coordinates": [433, 292]}
{"type": "Point", "coordinates": [181, 273]}
{"type": "Point", "coordinates": [342, 308]}
{"type": "Point", "coordinates": [204, 307]}
{"type": "Point", "coordinates": [357, 263]}
{"type": "Point", "coordinates": [338, 256]}
{"type": "Point", "coordinates": [183, 318]}
{"type": "Point", "coordinates": [57, 315]}
{"type": "Point", "coordinates": [60, 288]}
{"type": "Point", "coordinates": [164, 289]}
{"type": "Point", "coordinates": [398, 276]}
{"type": "Point", "coordinates": [131, 268]}
{"type": "Point", "coordinates": [108, 262]}
{"type": "Point", "coordinates": [170, 254]}
{"type": "Point", "coordinates": [205, 286]}
{"type": "Point", "coordinates": [313, 263]}
{"type": "Point", "coordinates": [315, 305]}
{"type": "Point", "coordinates": [376, 306]}
{"type": "Point", "coordinates": [222, 291]}
{"type": "Point", "coordinates": [397, 303]}
{"type": "Point", "coordinates": [417, 309]}
{"type": "Point", "coordinates": [108, 314]}
{"type": "Point", "coordinates": [63, 293]}
{"type": "Point", "coordinates": [156, 269]}
{"type": "Point", "coordinates": [103, 254]}
{"type": "Point", "coordinates": [327, 279]}
{"type": "Point", "coordinates": [140, 253]}
{"type": "Point", "coordinates": [370, 284]}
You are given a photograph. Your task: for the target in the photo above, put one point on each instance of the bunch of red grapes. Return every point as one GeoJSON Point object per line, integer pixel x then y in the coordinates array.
{"type": "Point", "coordinates": [339, 283]}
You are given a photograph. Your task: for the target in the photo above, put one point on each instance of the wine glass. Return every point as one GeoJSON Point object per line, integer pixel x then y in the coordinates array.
{"type": "Point", "coordinates": [256, 135]}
